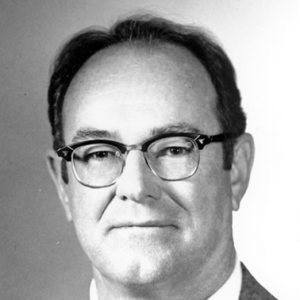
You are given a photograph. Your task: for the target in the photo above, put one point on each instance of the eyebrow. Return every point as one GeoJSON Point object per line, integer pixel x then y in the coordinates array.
{"type": "Point", "coordinates": [180, 127]}
{"type": "Point", "coordinates": [92, 133]}
{"type": "Point", "coordinates": [87, 133]}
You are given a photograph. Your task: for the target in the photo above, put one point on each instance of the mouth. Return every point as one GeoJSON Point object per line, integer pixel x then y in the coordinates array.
{"type": "Point", "coordinates": [145, 225]}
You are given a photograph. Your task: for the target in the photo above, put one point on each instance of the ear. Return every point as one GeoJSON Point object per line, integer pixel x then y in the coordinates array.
{"type": "Point", "coordinates": [54, 165]}
{"type": "Point", "coordinates": [243, 157]}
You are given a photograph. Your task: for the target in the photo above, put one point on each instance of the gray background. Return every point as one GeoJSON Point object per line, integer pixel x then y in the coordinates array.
{"type": "Point", "coordinates": [39, 254]}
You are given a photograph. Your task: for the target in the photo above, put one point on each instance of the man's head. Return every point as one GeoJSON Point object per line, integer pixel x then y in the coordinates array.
{"type": "Point", "coordinates": [141, 80]}
{"type": "Point", "coordinates": [150, 31]}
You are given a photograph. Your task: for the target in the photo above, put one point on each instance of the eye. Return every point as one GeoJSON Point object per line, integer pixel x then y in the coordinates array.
{"type": "Point", "coordinates": [97, 153]}
{"type": "Point", "coordinates": [171, 147]}
{"type": "Point", "coordinates": [174, 151]}
{"type": "Point", "coordinates": [100, 155]}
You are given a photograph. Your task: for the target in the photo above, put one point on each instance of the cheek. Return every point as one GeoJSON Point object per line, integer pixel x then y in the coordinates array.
{"type": "Point", "coordinates": [87, 205]}
{"type": "Point", "coordinates": [206, 198]}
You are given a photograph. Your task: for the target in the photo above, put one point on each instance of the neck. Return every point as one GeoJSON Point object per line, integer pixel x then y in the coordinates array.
{"type": "Point", "coordinates": [193, 286]}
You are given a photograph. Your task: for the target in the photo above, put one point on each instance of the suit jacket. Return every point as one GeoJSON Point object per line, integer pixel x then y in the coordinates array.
{"type": "Point", "coordinates": [251, 289]}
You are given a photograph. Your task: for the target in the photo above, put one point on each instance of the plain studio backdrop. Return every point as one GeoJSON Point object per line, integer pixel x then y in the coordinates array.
{"type": "Point", "coordinates": [39, 254]}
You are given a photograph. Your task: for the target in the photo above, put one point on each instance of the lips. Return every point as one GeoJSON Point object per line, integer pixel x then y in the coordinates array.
{"type": "Point", "coordinates": [147, 224]}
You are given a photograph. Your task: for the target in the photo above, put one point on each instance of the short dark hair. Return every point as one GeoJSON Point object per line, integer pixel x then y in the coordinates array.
{"type": "Point", "coordinates": [149, 29]}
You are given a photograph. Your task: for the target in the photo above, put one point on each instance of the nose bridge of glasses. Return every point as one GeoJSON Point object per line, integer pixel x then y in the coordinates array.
{"type": "Point", "coordinates": [138, 147]}
{"type": "Point", "coordinates": [133, 147]}
{"type": "Point", "coordinates": [134, 158]}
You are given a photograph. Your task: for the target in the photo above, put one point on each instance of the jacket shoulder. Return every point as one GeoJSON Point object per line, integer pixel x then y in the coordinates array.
{"type": "Point", "coordinates": [251, 289]}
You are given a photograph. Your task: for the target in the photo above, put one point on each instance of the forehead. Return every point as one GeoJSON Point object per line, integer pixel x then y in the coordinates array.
{"type": "Point", "coordinates": [134, 81]}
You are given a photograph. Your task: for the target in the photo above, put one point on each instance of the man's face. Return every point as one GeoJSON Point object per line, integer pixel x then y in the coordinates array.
{"type": "Point", "coordinates": [143, 229]}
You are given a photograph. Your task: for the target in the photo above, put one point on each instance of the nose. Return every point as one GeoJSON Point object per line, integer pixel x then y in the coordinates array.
{"type": "Point", "coordinates": [137, 182]}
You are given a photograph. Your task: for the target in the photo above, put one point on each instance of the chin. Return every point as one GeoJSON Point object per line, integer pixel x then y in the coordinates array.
{"type": "Point", "coordinates": [138, 266]}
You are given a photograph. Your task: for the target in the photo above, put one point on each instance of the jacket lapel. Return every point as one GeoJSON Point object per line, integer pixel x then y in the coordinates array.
{"type": "Point", "coordinates": [251, 289]}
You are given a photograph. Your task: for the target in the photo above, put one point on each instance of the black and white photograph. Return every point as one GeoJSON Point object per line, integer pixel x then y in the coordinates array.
{"type": "Point", "coordinates": [149, 150]}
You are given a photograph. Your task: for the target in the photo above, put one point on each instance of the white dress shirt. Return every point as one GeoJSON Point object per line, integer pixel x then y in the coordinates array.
{"type": "Point", "coordinates": [229, 290]}
{"type": "Point", "coordinates": [232, 287]}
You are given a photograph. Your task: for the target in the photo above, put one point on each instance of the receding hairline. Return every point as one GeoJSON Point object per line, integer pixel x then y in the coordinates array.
{"type": "Point", "coordinates": [184, 60]}
{"type": "Point", "coordinates": [142, 48]}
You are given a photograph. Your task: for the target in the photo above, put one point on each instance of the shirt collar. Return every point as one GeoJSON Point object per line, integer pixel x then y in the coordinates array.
{"type": "Point", "coordinates": [229, 290]}
{"type": "Point", "coordinates": [93, 290]}
{"type": "Point", "coordinates": [232, 287]}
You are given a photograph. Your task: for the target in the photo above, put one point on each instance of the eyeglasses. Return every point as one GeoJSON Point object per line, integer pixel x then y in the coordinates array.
{"type": "Point", "coordinates": [174, 156]}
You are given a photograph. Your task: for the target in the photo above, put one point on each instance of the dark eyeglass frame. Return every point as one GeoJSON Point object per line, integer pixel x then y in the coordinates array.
{"type": "Point", "coordinates": [201, 140]}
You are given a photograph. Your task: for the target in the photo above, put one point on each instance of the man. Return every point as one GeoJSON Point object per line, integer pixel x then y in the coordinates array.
{"type": "Point", "coordinates": [151, 158]}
